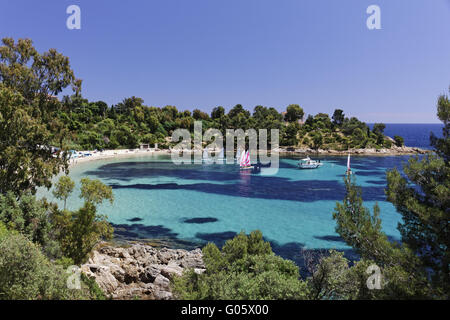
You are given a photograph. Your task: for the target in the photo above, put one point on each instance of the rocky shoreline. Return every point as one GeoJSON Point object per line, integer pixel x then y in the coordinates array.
{"type": "Point", "coordinates": [139, 271]}
{"type": "Point", "coordinates": [394, 151]}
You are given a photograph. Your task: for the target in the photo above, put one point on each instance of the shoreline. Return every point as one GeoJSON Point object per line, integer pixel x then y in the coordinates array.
{"type": "Point", "coordinates": [129, 153]}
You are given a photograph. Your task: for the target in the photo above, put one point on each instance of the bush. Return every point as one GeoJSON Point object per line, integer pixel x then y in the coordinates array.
{"type": "Point", "coordinates": [399, 141]}
{"type": "Point", "coordinates": [29, 217]}
{"type": "Point", "coordinates": [387, 143]}
{"type": "Point", "coordinates": [25, 273]}
{"type": "Point", "coordinates": [246, 268]}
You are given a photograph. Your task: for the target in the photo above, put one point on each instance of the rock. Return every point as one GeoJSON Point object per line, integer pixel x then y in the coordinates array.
{"type": "Point", "coordinates": [149, 274]}
{"type": "Point", "coordinates": [139, 271]}
{"type": "Point", "coordinates": [172, 270]}
{"type": "Point", "coordinates": [162, 295]}
{"type": "Point", "coordinates": [162, 282]}
{"type": "Point", "coordinates": [199, 271]}
{"type": "Point", "coordinates": [106, 280]}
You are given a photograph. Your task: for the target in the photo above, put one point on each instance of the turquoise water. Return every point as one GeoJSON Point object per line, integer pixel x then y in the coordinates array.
{"type": "Point", "coordinates": [195, 204]}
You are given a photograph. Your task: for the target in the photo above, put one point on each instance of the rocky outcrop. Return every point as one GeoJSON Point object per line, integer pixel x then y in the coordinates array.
{"type": "Point", "coordinates": [140, 271]}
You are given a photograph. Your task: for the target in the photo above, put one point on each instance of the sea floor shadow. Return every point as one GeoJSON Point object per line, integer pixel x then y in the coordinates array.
{"type": "Point", "coordinates": [199, 220]}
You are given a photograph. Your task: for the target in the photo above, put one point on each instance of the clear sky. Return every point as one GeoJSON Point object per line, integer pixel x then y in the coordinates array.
{"type": "Point", "coordinates": [204, 53]}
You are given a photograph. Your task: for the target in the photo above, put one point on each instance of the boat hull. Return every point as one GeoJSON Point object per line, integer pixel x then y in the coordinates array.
{"type": "Point", "coordinates": [309, 166]}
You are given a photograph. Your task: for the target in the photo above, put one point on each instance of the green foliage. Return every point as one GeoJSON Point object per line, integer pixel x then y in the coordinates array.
{"type": "Point", "coordinates": [29, 217]}
{"type": "Point", "coordinates": [332, 278]}
{"type": "Point", "coordinates": [421, 195]}
{"type": "Point", "coordinates": [80, 231]}
{"type": "Point", "coordinates": [317, 140]}
{"type": "Point", "coordinates": [95, 292]}
{"type": "Point", "coordinates": [28, 126]}
{"type": "Point", "coordinates": [25, 273]}
{"type": "Point", "coordinates": [63, 189]}
{"type": "Point", "coordinates": [290, 135]}
{"type": "Point", "coordinates": [218, 113]}
{"type": "Point", "coordinates": [399, 141]}
{"type": "Point", "coordinates": [246, 268]}
{"type": "Point", "coordinates": [95, 192]}
{"type": "Point", "coordinates": [403, 271]}
{"type": "Point", "coordinates": [294, 113]}
{"type": "Point", "coordinates": [338, 117]}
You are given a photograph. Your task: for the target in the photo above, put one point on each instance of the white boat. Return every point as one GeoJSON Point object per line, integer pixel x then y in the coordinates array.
{"type": "Point", "coordinates": [245, 163]}
{"type": "Point", "coordinates": [307, 163]}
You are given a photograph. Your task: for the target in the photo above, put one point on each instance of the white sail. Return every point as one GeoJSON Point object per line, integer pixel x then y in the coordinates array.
{"type": "Point", "coordinates": [205, 154]}
{"type": "Point", "coordinates": [348, 162]}
{"type": "Point", "coordinates": [242, 159]}
{"type": "Point", "coordinates": [238, 154]}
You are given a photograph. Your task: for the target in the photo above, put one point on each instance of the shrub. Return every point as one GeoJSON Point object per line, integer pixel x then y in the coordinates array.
{"type": "Point", "coordinates": [399, 141]}
{"type": "Point", "coordinates": [25, 273]}
{"type": "Point", "coordinates": [29, 217]}
{"type": "Point", "coordinates": [246, 268]}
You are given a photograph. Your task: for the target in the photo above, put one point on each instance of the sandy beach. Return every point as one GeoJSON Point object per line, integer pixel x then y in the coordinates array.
{"type": "Point", "coordinates": [114, 154]}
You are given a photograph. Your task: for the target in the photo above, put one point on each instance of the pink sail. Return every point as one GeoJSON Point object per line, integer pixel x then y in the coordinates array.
{"type": "Point", "coordinates": [245, 160]}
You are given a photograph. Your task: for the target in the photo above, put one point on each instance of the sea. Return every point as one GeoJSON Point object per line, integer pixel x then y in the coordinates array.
{"type": "Point", "coordinates": [189, 205]}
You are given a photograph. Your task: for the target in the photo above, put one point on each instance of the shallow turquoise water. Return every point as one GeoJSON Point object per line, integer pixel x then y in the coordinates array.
{"type": "Point", "coordinates": [155, 198]}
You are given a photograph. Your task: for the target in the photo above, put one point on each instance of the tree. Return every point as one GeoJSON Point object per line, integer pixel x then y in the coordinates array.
{"type": "Point", "coordinates": [338, 117]}
{"type": "Point", "coordinates": [25, 273]}
{"type": "Point", "coordinates": [237, 110]}
{"type": "Point", "coordinates": [404, 275]}
{"type": "Point", "coordinates": [95, 192]}
{"type": "Point", "coordinates": [63, 189]}
{"type": "Point", "coordinates": [32, 74]}
{"type": "Point", "coordinates": [246, 268]}
{"type": "Point", "coordinates": [317, 140]}
{"type": "Point", "coordinates": [421, 195]}
{"type": "Point", "coordinates": [217, 113]}
{"type": "Point", "coordinates": [197, 114]}
{"type": "Point", "coordinates": [28, 82]}
{"type": "Point", "coordinates": [28, 216]}
{"type": "Point", "coordinates": [81, 230]}
{"type": "Point", "coordinates": [294, 113]}
{"type": "Point", "coordinates": [290, 136]}
{"type": "Point", "coordinates": [442, 146]}
{"type": "Point", "coordinates": [129, 104]}
{"type": "Point", "coordinates": [399, 141]}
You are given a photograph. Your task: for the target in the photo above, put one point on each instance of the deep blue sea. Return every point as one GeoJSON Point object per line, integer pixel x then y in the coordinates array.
{"type": "Point", "coordinates": [190, 205]}
{"type": "Point", "coordinates": [415, 135]}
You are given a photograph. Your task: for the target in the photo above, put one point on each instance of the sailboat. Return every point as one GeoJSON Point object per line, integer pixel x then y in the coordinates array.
{"type": "Point", "coordinates": [349, 171]}
{"type": "Point", "coordinates": [245, 163]}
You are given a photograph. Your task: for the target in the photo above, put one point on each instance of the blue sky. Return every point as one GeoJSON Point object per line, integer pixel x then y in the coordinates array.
{"type": "Point", "coordinates": [205, 53]}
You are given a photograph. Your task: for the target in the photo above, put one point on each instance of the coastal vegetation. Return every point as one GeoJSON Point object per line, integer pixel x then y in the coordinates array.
{"type": "Point", "coordinates": [39, 240]}
{"type": "Point", "coordinates": [94, 125]}
{"type": "Point", "coordinates": [30, 82]}
{"type": "Point", "coordinates": [245, 268]}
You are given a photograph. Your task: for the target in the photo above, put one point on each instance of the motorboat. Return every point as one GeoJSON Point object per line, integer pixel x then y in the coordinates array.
{"type": "Point", "coordinates": [307, 163]}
